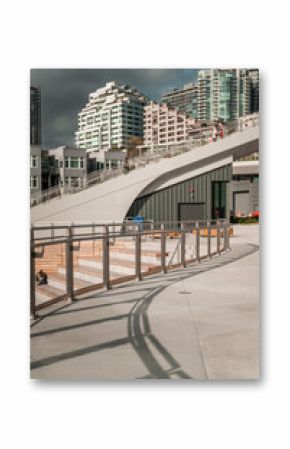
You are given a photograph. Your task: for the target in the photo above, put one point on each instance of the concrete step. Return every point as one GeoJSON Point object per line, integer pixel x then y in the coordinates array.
{"type": "Point", "coordinates": [118, 267]}
{"type": "Point", "coordinates": [46, 292]}
{"type": "Point", "coordinates": [151, 257]}
{"type": "Point", "coordinates": [88, 274]}
{"type": "Point", "coordinates": [58, 280]}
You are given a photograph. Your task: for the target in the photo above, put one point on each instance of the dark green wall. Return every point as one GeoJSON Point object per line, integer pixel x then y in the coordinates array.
{"type": "Point", "coordinates": [162, 205]}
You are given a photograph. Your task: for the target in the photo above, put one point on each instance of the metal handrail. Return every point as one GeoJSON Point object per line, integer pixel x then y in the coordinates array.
{"type": "Point", "coordinates": [125, 222]}
{"type": "Point", "coordinates": [154, 226]}
{"type": "Point", "coordinates": [69, 240]}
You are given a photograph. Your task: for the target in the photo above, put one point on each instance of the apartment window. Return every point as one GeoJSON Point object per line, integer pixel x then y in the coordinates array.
{"type": "Point", "coordinates": [33, 182]}
{"type": "Point", "coordinates": [33, 161]}
{"type": "Point", "coordinates": [74, 161]}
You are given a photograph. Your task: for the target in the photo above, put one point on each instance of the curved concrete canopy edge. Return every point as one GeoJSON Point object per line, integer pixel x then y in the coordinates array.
{"type": "Point", "coordinates": [111, 200]}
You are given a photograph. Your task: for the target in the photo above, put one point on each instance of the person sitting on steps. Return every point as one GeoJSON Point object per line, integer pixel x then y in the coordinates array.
{"type": "Point", "coordinates": [41, 277]}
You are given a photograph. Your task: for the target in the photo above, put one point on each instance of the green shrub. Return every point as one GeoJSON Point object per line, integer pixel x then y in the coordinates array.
{"type": "Point", "coordinates": [245, 220]}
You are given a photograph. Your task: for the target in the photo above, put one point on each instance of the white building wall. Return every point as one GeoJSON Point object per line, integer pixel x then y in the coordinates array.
{"type": "Point", "coordinates": [164, 125]}
{"type": "Point", "coordinates": [112, 116]}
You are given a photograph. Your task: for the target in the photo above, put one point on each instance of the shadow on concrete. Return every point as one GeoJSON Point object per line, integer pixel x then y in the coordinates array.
{"type": "Point", "coordinates": [138, 327]}
{"type": "Point", "coordinates": [78, 326]}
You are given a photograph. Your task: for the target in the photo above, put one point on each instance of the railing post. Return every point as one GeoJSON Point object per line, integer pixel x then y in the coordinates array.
{"type": "Point", "coordinates": [208, 239]}
{"type": "Point", "coordinates": [114, 238]}
{"type": "Point", "coordinates": [32, 233]}
{"type": "Point", "coordinates": [69, 265]}
{"type": "Point", "coordinates": [138, 256]}
{"type": "Point", "coordinates": [218, 236]}
{"type": "Point", "coordinates": [225, 231]}
{"type": "Point", "coordinates": [228, 237]}
{"type": "Point", "coordinates": [106, 259]}
{"type": "Point", "coordinates": [163, 249]}
{"type": "Point", "coordinates": [32, 277]}
{"type": "Point", "coordinates": [182, 246]}
{"type": "Point", "coordinates": [197, 241]}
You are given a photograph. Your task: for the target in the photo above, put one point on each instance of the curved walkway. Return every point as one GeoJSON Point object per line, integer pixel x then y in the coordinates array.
{"type": "Point", "coordinates": [198, 323]}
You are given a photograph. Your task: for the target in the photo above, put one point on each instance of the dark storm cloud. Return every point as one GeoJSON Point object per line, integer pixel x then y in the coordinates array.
{"type": "Point", "coordinates": [65, 92]}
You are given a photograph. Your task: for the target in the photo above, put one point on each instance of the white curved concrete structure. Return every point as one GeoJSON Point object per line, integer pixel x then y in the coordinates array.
{"type": "Point", "coordinates": [111, 200]}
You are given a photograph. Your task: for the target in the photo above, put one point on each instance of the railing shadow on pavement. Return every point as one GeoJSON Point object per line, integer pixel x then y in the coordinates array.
{"type": "Point", "coordinates": [138, 330]}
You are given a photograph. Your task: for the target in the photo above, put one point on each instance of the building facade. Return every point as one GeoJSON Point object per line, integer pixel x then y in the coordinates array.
{"type": "Point", "coordinates": [203, 197]}
{"type": "Point", "coordinates": [183, 99]}
{"type": "Point", "coordinates": [244, 188]}
{"type": "Point", "coordinates": [227, 94]}
{"type": "Point", "coordinates": [35, 116]}
{"type": "Point", "coordinates": [112, 119]}
{"type": "Point", "coordinates": [217, 95]}
{"type": "Point", "coordinates": [254, 90]}
{"type": "Point", "coordinates": [71, 164]}
{"type": "Point", "coordinates": [35, 169]}
{"type": "Point", "coordinates": [164, 125]}
{"type": "Point", "coordinates": [229, 191]}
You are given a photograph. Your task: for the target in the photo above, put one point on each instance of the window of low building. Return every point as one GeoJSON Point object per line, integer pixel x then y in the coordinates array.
{"type": "Point", "coordinates": [33, 182]}
{"type": "Point", "coordinates": [75, 161]}
{"type": "Point", "coordinates": [33, 161]}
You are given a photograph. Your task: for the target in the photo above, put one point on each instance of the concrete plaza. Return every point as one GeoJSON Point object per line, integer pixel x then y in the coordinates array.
{"type": "Point", "coordinates": [197, 323]}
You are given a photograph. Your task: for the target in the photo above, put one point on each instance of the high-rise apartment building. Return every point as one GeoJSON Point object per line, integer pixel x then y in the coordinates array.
{"type": "Point", "coordinates": [226, 94]}
{"type": "Point", "coordinates": [35, 116]}
{"type": "Point", "coordinates": [217, 95]}
{"type": "Point", "coordinates": [254, 89]}
{"type": "Point", "coordinates": [112, 119]}
{"type": "Point", "coordinates": [183, 99]}
{"type": "Point", "coordinates": [164, 125]}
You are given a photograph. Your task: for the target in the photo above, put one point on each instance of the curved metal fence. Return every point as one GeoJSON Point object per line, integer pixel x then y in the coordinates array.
{"type": "Point", "coordinates": [68, 260]}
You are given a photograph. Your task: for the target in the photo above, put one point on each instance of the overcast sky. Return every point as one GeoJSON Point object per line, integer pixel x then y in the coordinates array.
{"type": "Point", "coordinates": [65, 92]}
